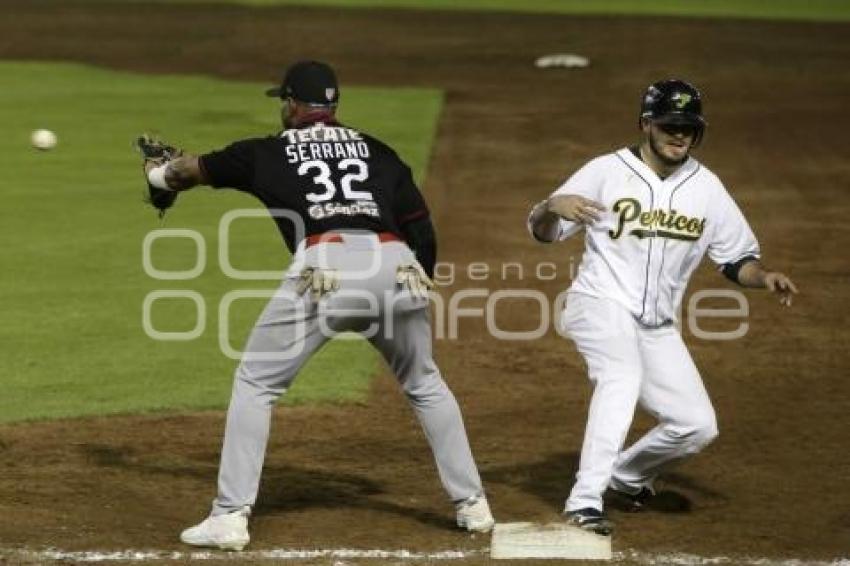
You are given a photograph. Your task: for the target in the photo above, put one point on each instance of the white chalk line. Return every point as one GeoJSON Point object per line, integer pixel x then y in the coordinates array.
{"type": "Point", "coordinates": [631, 556]}
{"type": "Point", "coordinates": [684, 559]}
{"type": "Point", "coordinates": [273, 554]}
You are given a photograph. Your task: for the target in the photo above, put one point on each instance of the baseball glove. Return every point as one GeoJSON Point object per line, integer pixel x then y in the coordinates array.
{"type": "Point", "coordinates": [157, 152]}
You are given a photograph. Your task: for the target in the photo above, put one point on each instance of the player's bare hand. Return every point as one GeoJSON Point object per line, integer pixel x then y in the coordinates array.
{"type": "Point", "coordinates": [576, 208]}
{"type": "Point", "coordinates": [782, 285]}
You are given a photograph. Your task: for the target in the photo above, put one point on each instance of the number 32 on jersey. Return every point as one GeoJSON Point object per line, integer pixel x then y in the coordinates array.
{"type": "Point", "coordinates": [353, 169]}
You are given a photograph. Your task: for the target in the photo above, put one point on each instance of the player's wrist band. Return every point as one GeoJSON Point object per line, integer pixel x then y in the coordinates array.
{"type": "Point", "coordinates": [732, 270]}
{"type": "Point", "coordinates": [156, 177]}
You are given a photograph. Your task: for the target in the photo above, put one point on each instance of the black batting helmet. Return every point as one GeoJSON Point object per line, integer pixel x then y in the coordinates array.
{"type": "Point", "coordinates": [674, 101]}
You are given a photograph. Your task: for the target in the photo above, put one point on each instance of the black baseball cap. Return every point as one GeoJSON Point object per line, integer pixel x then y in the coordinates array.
{"type": "Point", "coordinates": [311, 82]}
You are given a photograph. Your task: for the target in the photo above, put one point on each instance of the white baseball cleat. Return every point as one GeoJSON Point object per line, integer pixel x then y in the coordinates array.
{"type": "Point", "coordinates": [474, 515]}
{"type": "Point", "coordinates": [227, 532]}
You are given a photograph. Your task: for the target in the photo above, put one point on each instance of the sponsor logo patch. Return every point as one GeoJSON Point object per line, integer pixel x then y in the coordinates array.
{"type": "Point", "coordinates": [330, 209]}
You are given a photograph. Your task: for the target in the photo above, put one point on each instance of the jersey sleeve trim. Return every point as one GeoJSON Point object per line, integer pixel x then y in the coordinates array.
{"type": "Point", "coordinates": [412, 216]}
{"type": "Point", "coordinates": [744, 257]}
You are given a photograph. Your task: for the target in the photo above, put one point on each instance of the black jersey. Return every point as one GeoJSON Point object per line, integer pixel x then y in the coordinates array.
{"type": "Point", "coordinates": [330, 176]}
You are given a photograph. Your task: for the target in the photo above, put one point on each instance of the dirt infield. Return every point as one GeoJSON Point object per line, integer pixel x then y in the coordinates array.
{"type": "Point", "coordinates": [773, 485]}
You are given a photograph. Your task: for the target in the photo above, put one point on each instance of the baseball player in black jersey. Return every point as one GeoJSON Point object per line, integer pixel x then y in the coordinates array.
{"type": "Point", "coordinates": [363, 252]}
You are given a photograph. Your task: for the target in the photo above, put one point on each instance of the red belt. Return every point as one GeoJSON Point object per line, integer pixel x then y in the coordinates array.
{"type": "Point", "coordinates": [336, 238]}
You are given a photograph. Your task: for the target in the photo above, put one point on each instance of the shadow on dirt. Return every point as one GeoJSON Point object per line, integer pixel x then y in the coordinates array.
{"type": "Point", "coordinates": [128, 458]}
{"type": "Point", "coordinates": [283, 488]}
{"type": "Point", "coordinates": [289, 488]}
{"type": "Point", "coordinates": [550, 480]}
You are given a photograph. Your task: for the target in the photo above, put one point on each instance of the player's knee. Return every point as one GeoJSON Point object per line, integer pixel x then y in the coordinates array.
{"type": "Point", "coordinates": [254, 381]}
{"type": "Point", "coordinates": [425, 389]}
{"type": "Point", "coordinates": [701, 431]}
{"type": "Point", "coordinates": [705, 436]}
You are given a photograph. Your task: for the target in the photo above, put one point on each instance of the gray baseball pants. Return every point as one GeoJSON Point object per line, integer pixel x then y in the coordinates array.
{"type": "Point", "coordinates": [293, 326]}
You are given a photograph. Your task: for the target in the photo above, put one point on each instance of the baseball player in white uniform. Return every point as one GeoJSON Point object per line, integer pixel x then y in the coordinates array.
{"type": "Point", "coordinates": [650, 213]}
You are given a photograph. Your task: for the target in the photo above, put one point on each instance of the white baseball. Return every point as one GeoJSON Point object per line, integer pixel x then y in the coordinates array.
{"type": "Point", "coordinates": [43, 139]}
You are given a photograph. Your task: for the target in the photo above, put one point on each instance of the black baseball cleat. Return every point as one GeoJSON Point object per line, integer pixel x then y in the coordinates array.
{"type": "Point", "coordinates": [631, 502]}
{"type": "Point", "coordinates": [590, 519]}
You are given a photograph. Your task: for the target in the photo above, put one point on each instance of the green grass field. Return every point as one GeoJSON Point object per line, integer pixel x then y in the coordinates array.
{"type": "Point", "coordinates": [73, 284]}
{"type": "Point", "coordinates": [816, 10]}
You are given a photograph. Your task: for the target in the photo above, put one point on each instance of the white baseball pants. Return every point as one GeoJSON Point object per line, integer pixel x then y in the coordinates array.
{"type": "Point", "coordinates": [628, 363]}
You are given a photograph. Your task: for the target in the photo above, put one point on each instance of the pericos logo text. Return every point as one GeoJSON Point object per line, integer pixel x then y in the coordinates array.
{"type": "Point", "coordinates": [655, 223]}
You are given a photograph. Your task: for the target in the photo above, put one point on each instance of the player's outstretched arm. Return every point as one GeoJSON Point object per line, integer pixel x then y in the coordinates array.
{"type": "Point", "coordinates": [754, 274]}
{"type": "Point", "coordinates": [181, 173]}
{"type": "Point", "coordinates": [167, 171]}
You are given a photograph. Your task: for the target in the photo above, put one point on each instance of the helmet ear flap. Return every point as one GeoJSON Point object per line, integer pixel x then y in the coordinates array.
{"type": "Point", "coordinates": [700, 131]}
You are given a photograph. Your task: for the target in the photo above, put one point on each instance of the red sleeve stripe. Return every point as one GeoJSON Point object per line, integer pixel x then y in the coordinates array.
{"type": "Point", "coordinates": [413, 216]}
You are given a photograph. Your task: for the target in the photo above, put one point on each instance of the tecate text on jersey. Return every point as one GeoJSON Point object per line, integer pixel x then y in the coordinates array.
{"type": "Point", "coordinates": [324, 142]}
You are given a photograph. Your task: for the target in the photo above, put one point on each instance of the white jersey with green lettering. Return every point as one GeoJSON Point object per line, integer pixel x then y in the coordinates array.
{"type": "Point", "coordinates": [654, 233]}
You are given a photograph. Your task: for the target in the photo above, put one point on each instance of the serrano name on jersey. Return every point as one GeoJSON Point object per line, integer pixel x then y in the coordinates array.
{"type": "Point", "coordinates": [324, 142]}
